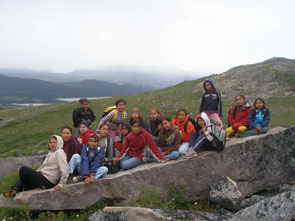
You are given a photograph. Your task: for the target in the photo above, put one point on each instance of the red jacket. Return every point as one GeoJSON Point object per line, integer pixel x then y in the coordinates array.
{"type": "Point", "coordinates": [241, 118]}
{"type": "Point", "coordinates": [83, 138]}
{"type": "Point", "coordinates": [71, 147]}
{"type": "Point", "coordinates": [189, 129]}
{"type": "Point", "coordinates": [135, 143]}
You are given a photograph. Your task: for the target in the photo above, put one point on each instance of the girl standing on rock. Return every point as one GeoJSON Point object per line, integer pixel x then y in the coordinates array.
{"type": "Point", "coordinates": [53, 172]}
{"type": "Point", "coordinates": [135, 115]}
{"type": "Point", "coordinates": [211, 102]}
{"type": "Point", "coordinates": [258, 119]}
{"type": "Point", "coordinates": [186, 128]}
{"type": "Point", "coordinates": [134, 152]}
{"type": "Point", "coordinates": [155, 122]}
{"type": "Point", "coordinates": [238, 116]}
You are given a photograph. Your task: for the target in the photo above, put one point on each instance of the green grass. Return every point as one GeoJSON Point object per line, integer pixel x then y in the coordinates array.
{"type": "Point", "coordinates": [33, 125]}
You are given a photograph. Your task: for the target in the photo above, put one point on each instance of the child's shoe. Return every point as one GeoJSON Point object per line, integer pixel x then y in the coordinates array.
{"type": "Point", "coordinates": [9, 193]}
{"type": "Point", "coordinates": [190, 154]}
{"type": "Point", "coordinates": [77, 179]}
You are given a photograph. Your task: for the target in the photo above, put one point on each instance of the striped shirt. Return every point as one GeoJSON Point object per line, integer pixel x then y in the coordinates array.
{"type": "Point", "coordinates": [115, 124]}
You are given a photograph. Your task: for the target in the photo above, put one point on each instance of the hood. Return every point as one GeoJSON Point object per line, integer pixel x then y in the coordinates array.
{"type": "Point", "coordinates": [177, 122]}
{"type": "Point", "coordinates": [247, 105]}
{"type": "Point", "coordinates": [60, 142]}
{"type": "Point", "coordinates": [210, 81]}
{"type": "Point", "coordinates": [205, 118]}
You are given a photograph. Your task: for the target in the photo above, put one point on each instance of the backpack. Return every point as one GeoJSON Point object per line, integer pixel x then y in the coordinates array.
{"type": "Point", "coordinates": [219, 137]}
{"type": "Point", "coordinates": [193, 122]}
{"type": "Point", "coordinates": [112, 108]}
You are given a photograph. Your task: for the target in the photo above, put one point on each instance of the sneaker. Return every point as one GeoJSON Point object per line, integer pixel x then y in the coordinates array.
{"type": "Point", "coordinates": [9, 193]}
{"type": "Point", "coordinates": [77, 179]}
{"type": "Point", "coordinates": [227, 138]}
{"type": "Point", "coordinates": [190, 154]}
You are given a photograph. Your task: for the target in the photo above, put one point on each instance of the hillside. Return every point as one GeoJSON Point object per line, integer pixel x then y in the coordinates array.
{"type": "Point", "coordinates": [27, 128]}
{"type": "Point", "coordinates": [25, 90]}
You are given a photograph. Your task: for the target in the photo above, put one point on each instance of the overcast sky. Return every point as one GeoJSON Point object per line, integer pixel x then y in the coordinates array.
{"type": "Point", "coordinates": [194, 35]}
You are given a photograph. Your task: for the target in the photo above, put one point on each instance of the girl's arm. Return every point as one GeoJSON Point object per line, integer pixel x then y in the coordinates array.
{"type": "Point", "coordinates": [231, 117]}
{"type": "Point", "coordinates": [125, 149]}
{"type": "Point", "coordinates": [220, 104]}
{"type": "Point", "coordinates": [266, 120]}
{"type": "Point", "coordinates": [244, 121]}
{"type": "Point", "coordinates": [153, 147]}
{"type": "Point", "coordinates": [92, 117]}
{"type": "Point", "coordinates": [106, 119]}
{"type": "Point", "coordinates": [201, 104]}
{"type": "Point", "coordinates": [251, 122]}
{"type": "Point", "coordinates": [63, 167]}
{"type": "Point", "coordinates": [176, 143]}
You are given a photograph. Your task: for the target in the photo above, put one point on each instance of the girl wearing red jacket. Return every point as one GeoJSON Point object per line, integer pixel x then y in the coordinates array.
{"type": "Point", "coordinates": [85, 133]}
{"type": "Point", "coordinates": [238, 116]}
{"type": "Point", "coordinates": [186, 128]}
{"type": "Point", "coordinates": [133, 152]}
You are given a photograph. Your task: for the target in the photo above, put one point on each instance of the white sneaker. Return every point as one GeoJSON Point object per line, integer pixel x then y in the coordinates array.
{"type": "Point", "coordinates": [190, 154]}
{"type": "Point", "coordinates": [77, 179]}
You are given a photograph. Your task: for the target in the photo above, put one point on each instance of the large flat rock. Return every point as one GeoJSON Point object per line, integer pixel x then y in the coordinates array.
{"type": "Point", "coordinates": [255, 163]}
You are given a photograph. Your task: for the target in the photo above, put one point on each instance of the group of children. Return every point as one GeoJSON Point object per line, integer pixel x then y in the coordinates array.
{"type": "Point", "coordinates": [116, 144]}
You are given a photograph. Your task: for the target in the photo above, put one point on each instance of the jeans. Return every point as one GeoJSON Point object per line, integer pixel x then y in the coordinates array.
{"type": "Point", "coordinates": [173, 155]}
{"type": "Point", "coordinates": [198, 143]}
{"type": "Point", "coordinates": [253, 132]}
{"type": "Point", "coordinates": [130, 162]}
{"type": "Point", "coordinates": [183, 148]}
{"type": "Point", "coordinates": [101, 171]}
{"type": "Point", "coordinates": [74, 163]}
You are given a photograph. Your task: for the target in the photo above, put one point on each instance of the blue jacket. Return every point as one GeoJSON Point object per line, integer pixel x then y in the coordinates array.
{"type": "Point", "coordinates": [259, 118]}
{"type": "Point", "coordinates": [211, 100]}
{"type": "Point", "coordinates": [92, 159]}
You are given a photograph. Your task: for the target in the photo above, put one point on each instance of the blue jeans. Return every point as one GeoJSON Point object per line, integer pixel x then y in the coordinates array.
{"type": "Point", "coordinates": [130, 162]}
{"type": "Point", "coordinates": [183, 148]}
{"type": "Point", "coordinates": [253, 132]}
{"type": "Point", "coordinates": [101, 171]}
{"type": "Point", "coordinates": [173, 155]}
{"type": "Point", "coordinates": [74, 163]}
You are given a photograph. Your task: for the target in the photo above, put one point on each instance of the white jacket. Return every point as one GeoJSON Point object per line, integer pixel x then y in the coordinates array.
{"type": "Point", "coordinates": [55, 167]}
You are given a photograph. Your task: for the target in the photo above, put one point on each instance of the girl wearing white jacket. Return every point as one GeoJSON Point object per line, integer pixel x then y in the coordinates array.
{"type": "Point", "coordinates": [53, 172]}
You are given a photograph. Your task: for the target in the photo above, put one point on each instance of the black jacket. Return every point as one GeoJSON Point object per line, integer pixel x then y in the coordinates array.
{"type": "Point", "coordinates": [80, 114]}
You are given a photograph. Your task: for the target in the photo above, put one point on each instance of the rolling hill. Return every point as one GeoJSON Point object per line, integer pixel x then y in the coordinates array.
{"type": "Point", "coordinates": [24, 129]}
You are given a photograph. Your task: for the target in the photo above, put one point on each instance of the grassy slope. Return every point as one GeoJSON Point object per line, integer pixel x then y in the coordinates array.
{"type": "Point", "coordinates": [34, 125]}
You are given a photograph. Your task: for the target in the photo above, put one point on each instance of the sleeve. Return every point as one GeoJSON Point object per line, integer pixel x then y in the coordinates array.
{"type": "Point", "coordinates": [266, 120]}
{"type": "Point", "coordinates": [177, 142]}
{"type": "Point", "coordinates": [84, 162]}
{"type": "Point", "coordinates": [124, 149]}
{"type": "Point", "coordinates": [251, 122]}
{"type": "Point", "coordinates": [189, 130]}
{"type": "Point", "coordinates": [201, 104]}
{"type": "Point", "coordinates": [153, 147]}
{"type": "Point", "coordinates": [146, 126]}
{"type": "Point", "coordinates": [106, 119]}
{"type": "Point", "coordinates": [97, 162]}
{"type": "Point", "coordinates": [76, 117]}
{"type": "Point", "coordinates": [92, 117]}
{"type": "Point", "coordinates": [208, 136]}
{"type": "Point", "coordinates": [231, 118]}
{"type": "Point", "coordinates": [63, 167]}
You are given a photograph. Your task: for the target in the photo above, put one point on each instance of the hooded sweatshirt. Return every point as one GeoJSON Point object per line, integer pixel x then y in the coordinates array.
{"type": "Point", "coordinates": [71, 147]}
{"type": "Point", "coordinates": [211, 100]}
{"type": "Point", "coordinates": [55, 167]}
{"type": "Point", "coordinates": [135, 146]}
{"type": "Point", "coordinates": [239, 116]}
{"type": "Point", "coordinates": [208, 125]}
{"type": "Point", "coordinates": [91, 160]}
{"type": "Point", "coordinates": [185, 134]}
{"type": "Point", "coordinates": [259, 117]}
{"type": "Point", "coordinates": [169, 140]}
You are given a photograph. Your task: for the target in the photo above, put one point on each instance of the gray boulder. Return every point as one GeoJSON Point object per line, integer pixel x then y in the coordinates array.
{"type": "Point", "coordinates": [278, 208]}
{"type": "Point", "coordinates": [251, 201]}
{"type": "Point", "coordinates": [225, 193]}
{"type": "Point", "coordinates": [145, 214]}
{"type": "Point", "coordinates": [254, 163]}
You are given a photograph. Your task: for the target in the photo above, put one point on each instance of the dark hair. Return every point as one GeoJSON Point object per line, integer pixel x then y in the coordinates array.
{"type": "Point", "coordinates": [135, 122]}
{"type": "Point", "coordinates": [242, 96]}
{"type": "Point", "coordinates": [52, 137]}
{"type": "Point", "coordinates": [165, 118]}
{"type": "Point", "coordinates": [94, 136]}
{"type": "Point", "coordinates": [126, 126]}
{"type": "Point", "coordinates": [102, 125]}
{"type": "Point", "coordinates": [259, 99]}
{"type": "Point", "coordinates": [119, 101]}
{"type": "Point", "coordinates": [161, 115]}
{"type": "Point", "coordinates": [181, 110]}
{"type": "Point", "coordinates": [84, 122]}
{"type": "Point", "coordinates": [67, 127]}
{"type": "Point", "coordinates": [82, 100]}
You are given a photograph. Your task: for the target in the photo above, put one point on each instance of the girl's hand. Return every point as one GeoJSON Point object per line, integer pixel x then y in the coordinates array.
{"type": "Point", "coordinates": [259, 129]}
{"type": "Point", "coordinates": [115, 159]}
{"type": "Point", "coordinates": [57, 187]}
{"type": "Point", "coordinates": [166, 160]}
{"type": "Point", "coordinates": [164, 153]}
{"type": "Point", "coordinates": [204, 129]}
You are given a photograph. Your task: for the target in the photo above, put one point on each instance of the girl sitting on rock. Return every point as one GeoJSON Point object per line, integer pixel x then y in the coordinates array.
{"type": "Point", "coordinates": [238, 116]}
{"type": "Point", "coordinates": [258, 119]}
{"type": "Point", "coordinates": [186, 128]}
{"type": "Point", "coordinates": [106, 142]}
{"type": "Point", "coordinates": [201, 139]}
{"type": "Point", "coordinates": [169, 140]}
{"type": "Point", "coordinates": [85, 132]}
{"type": "Point", "coordinates": [53, 172]}
{"type": "Point", "coordinates": [133, 152]}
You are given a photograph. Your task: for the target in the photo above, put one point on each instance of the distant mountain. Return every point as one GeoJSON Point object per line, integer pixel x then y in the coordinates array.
{"type": "Point", "coordinates": [143, 75]}
{"type": "Point", "coordinates": [21, 90]}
